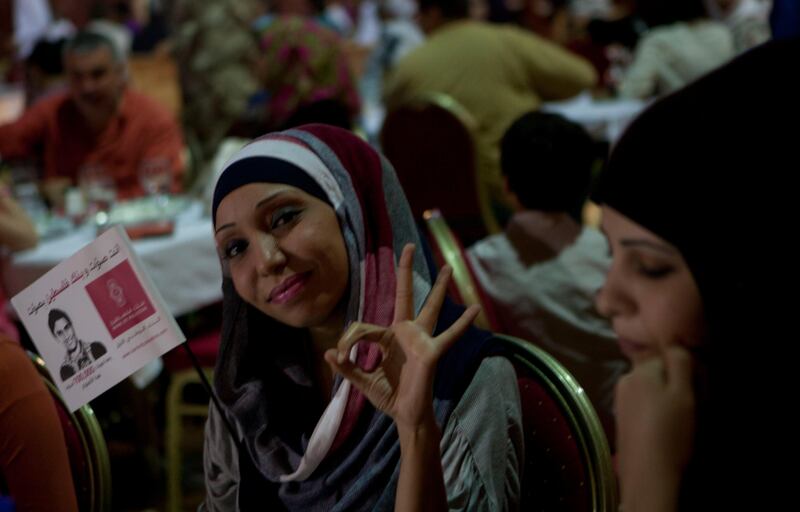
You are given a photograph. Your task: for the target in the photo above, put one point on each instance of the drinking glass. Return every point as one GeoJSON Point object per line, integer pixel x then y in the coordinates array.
{"type": "Point", "coordinates": [155, 176]}
{"type": "Point", "coordinates": [99, 190]}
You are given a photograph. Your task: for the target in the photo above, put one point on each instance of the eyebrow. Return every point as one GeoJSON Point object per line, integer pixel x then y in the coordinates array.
{"type": "Point", "coordinates": [638, 242]}
{"type": "Point", "coordinates": [224, 226]}
{"type": "Point", "coordinates": [270, 197]}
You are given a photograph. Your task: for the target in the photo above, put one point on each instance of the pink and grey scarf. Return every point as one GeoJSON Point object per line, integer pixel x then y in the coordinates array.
{"type": "Point", "coordinates": [294, 451]}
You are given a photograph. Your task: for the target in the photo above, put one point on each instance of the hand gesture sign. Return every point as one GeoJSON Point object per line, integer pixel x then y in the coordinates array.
{"type": "Point", "coordinates": [401, 385]}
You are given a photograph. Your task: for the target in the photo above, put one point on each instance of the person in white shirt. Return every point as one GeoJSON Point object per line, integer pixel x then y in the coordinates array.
{"type": "Point", "coordinates": [681, 45]}
{"type": "Point", "coordinates": [544, 271]}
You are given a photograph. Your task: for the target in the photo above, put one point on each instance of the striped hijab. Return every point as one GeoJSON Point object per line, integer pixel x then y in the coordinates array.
{"type": "Point", "coordinates": [345, 455]}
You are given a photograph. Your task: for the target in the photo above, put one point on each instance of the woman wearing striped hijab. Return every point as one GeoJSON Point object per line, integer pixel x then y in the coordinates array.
{"type": "Point", "coordinates": [319, 250]}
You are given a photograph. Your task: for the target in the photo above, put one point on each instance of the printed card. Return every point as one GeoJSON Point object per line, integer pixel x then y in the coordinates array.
{"type": "Point", "coordinates": [96, 318]}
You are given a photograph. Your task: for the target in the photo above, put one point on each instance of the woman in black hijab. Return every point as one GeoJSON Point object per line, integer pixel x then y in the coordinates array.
{"type": "Point", "coordinates": [695, 205]}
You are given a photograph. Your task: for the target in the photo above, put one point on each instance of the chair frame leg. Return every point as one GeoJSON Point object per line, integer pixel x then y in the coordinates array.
{"type": "Point", "coordinates": [177, 411]}
{"type": "Point", "coordinates": [174, 433]}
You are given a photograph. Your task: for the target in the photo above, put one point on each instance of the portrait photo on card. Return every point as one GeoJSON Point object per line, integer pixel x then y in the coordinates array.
{"type": "Point", "coordinates": [79, 353]}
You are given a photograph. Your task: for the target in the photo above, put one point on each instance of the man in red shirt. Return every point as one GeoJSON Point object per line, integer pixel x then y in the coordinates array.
{"type": "Point", "coordinates": [99, 124]}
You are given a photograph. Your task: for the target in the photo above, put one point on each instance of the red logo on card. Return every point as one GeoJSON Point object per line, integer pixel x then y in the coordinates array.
{"type": "Point", "coordinates": [120, 299]}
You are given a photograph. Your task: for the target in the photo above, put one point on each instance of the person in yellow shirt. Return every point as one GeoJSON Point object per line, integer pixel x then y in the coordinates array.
{"type": "Point", "coordinates": [496, 72]}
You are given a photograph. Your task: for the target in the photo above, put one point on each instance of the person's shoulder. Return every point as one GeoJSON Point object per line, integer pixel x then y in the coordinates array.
{"type": "Point", "coordinates": [517, 34]}
{"type": "Point", "coordinates": [54, 100]}
{"type": "Point", "coordinates": [514, 30]}
{"type": "Point", "coordinates": [147, 116]}
{"type": "Point", "coordinates": [712, 26]}
{"type": "Point", "coordinates": [453, 34]}
{"type": "Point", "coordinates": [669, 30]}
{"type": "Point", "coordinates": [716, 33]}
{"type": "Point", "coordinates": [11, 355]}
{"type": "Point", "coordinates": [468, 26]}
{"type": "Point", "coordinates": [49, 105]}
{"type": "Point", "coordinates": [593, 239]}
{"type": "Point", "coordinates": [421, 51]}
{"type": "Point", "coordinates": [662, 37]}
{"type": "Point", "coordinates": [674, 33]}
{"type": "Point", "coordinates": [18, 376]}
{"type": "Point", "coordinates": [492, 249]}
{"type": "Point", "coordinates": [498, 240]}
{"type": "Point", "coordinates": [587, 255]}
{"type": "Point", "coordinates": [456, 33]}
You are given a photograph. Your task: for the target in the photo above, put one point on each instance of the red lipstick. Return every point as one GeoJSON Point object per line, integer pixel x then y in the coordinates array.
{"type": "Point", "coordinates": [288, 289]}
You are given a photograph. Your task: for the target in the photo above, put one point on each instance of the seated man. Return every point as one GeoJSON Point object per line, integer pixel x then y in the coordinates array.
{"type": "Point", "coordinates": [543, 272]}
{"type": "Point", "coordinates": [98, 123]}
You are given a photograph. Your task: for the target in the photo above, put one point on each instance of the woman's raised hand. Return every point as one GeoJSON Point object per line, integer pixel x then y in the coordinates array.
{"type": "Point", "coordinates": [655, 415]}
{"type": "Point", "coordinates": [401, 386]}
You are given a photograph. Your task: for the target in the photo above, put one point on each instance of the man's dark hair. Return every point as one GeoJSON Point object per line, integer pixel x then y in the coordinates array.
{"type": "Point", "coordinates": [55, 315]}
{"type": "Point", "coordinates": [87, 41]}
{"type": "Point", "coordinates": [548, 161]}
{"type": "Point", "coordinates": [450, 9]}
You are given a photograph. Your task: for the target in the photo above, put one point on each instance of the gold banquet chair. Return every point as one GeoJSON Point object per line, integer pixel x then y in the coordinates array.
{"type": "Point", "coordinates": [447, 249]}
{"type": "Point", "coordinates": [568, 465]}
{"type": "Point", "coordinates": [179, 409]}
{"type": "Point", "coordinates": [86, 448]}
{"type": "Point", "coordinates": [430, 142]}
{"type": "Point", "coordinates": [181, 406]}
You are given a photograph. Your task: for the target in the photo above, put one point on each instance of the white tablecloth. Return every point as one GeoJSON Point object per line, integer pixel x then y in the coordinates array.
{"type": "Point", "coordinates": [604, 119]}
{"type": "Point", "coordinates": [184, 266]}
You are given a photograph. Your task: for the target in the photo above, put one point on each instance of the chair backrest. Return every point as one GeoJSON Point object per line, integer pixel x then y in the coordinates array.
{"type": "Point", "coordinates": [86, 448]}
{"type": "Point", "coordinates": [464, 287]}
{"type": "Point", "coordinates": [430, 142]}
{"type": "Point", "coordinates": [567, 459]}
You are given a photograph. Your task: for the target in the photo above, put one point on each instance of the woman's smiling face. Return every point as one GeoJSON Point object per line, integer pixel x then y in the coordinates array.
{"type": "Point", "coordinates": [285, 253]}
{"type": "Point", "coordinates": [650, 295]}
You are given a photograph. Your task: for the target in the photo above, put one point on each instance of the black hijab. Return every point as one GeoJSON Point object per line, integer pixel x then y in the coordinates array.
{"type": "Point", "coordinates": [710, 169]}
